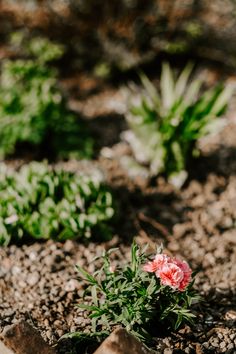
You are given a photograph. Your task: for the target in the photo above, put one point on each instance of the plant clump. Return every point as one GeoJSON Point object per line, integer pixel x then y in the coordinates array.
{"type": "Point", "coordinates": [33, 109]}
{"type": "Point", "coordinates": [138, 296]}
{"type": "Point", "coordinates": [166, 124]}
{"type": "Point", "coordinates": [40, 202]}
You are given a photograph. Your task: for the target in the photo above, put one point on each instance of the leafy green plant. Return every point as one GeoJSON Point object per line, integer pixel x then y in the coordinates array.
{"type": "Point", "coordinates": [139, 295]}
{"type": "Point", "coordinates": [42, 203]}
{"type": "Point", "coordinates": [166, 124]}
{"type": "Point", "coordinates": [32, 107]}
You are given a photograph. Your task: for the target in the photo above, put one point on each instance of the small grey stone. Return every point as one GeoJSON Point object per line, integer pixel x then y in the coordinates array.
{"type": "Point", "coordinates": [168, 351]}
{"type": "Point", "coordinates": [33, 278]}
{"type": "Point", "coordinates": [33, 256]}
{"type": "Point", "coordinates": [71, 285]}
{"type": "Point", "coordinates": [222, 345]}
{"type": "Point", "coordinates": [16, 270]}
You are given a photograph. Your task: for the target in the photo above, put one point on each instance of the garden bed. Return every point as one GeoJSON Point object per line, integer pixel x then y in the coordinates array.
{"type": "Point", "coordinates": [38, 281]}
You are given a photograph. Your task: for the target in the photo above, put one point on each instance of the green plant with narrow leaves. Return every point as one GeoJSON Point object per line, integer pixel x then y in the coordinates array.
{"type": "Point", "coordinates": [33, 109]}
{"type": "Point", "coordinates": [40, 202]}
{"type": "Point", "coordinates": [166, 124]}
{"type": "Point", "coordinates": [137, 297]}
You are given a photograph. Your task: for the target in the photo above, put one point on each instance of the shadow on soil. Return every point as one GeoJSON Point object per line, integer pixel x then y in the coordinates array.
{"type": "Point", "coordinates": [106, 130]}
{"type": "Point", "coordinates": [150, 215]}
{"type": "Point", "coordinates": [221, 162]}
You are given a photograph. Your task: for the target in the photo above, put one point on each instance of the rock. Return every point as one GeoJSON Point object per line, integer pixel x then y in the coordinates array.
{"type": "Point", "coordinates": [33, 278]}
{"type": "Point", "coordinates": [71, 285]}
{"type": "Point", "coordinates": [21, 338]}
{"type": "Point", "coordinates": [122, 342]}
{"type": "Point", "coordinates": [168, 351]}
{"type": "Point", "coordinates": [4, 349]}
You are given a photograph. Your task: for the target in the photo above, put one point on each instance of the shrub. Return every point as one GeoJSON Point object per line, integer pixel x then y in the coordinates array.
{"type": "Point", "coordinates": [32, 107]}
{"type": "Point", "coordinates": [138, 296]}
{"type": "Point", "coordinates": [42, 203]}
{"type": "Point", "coordinates": [165, 126]}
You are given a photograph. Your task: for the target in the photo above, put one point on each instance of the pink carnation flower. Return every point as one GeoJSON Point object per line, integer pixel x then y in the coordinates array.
{"type": "Point", "coordinates": [187, 272]}
{"type": "Point", "coordinates": [157, 263]}
{"type": "Point", "coordinates": [171, 275]}
{"type": "Point", "coordinates": [172, 272]}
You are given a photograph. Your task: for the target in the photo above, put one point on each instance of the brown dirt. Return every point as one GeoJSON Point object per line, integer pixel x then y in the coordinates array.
{"type": "Point", "coordinates": [38, 282]}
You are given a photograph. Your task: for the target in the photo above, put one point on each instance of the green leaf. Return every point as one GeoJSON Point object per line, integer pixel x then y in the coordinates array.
{"type": "Point", "coordinates": [86, 275]}
{"type": "Point", "coordinates": [150, 88]}
{"type": "Point", "coordinates": [167, 86]}
{"type": "Point", "coordinates": [182, 81]}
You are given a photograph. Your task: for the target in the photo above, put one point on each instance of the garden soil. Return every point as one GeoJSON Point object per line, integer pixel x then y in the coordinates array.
{"type": "Point", "coordinates": [39, 282]}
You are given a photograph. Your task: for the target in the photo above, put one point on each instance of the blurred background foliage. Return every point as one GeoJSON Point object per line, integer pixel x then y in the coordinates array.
{"type": "Point", "coordinates": [121, 34]}
{"type": "Point", "coordinates": [61, 40]}
{"type": "Point", "coordinates": [33, 109]}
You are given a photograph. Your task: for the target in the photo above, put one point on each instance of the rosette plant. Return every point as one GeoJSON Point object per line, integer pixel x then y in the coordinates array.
{"type": "Point", "coordinates": [41, 202]}
{"type": "Point", "coordinates": [166, 123]}
{"type": "Point", "coordinates": [139, 295]}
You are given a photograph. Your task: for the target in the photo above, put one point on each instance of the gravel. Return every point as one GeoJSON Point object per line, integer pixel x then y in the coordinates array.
{"type": "Point", "coordinates": [38, 282]}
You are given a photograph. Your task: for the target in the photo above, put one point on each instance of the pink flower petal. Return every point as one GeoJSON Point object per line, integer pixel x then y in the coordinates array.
{"type": "Point", "coordinates": [157, 263]}
{"type": "Point", "coordinates": [186, 271]}
{"type": "Point", "coordinates": [150, 267]}
{"type": "Point", "coordinates": [170, 274]}
{"type": "Point", "coordinates": [161, 259]}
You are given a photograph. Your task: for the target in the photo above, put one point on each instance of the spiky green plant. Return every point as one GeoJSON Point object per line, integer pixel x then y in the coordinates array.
{"type": "Point", "coordinates": [166, 123]}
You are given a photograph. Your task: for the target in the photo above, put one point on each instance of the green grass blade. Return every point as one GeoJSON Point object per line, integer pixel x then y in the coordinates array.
{"type": "Point", "coordinates": [151, 90]}
{"type": "Point", "coordinates": [223, 99]}
{"type": "Point", "coordinates": [167, 86]}
{"type": "Point", "coordinates": [181, 84]}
